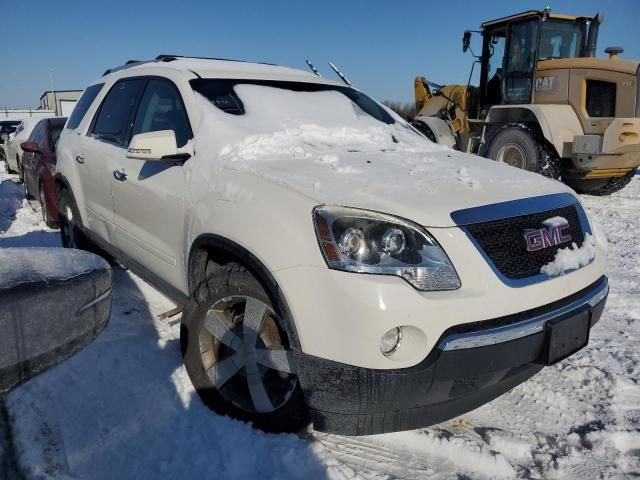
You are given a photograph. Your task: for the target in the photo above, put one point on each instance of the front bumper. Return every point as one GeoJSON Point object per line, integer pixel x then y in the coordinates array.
{"type": "Point", "coordinates": [473, 364]}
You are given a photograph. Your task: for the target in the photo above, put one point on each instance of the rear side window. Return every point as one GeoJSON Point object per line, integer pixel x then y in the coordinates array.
{"type": "Point", "coordinates": [83, 105]}
{"type": "Point", "coordinates": [601, 98]}
{"type": "Point", "coordinates": [54, 135]}
{"type": "Point", "coordinates": [114, 120]}
{"type": "Point", "coordinates": [37, 136]}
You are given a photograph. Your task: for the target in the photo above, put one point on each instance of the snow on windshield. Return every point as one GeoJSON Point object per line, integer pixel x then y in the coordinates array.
{"type": "Point", "coordinates": [281, 122]}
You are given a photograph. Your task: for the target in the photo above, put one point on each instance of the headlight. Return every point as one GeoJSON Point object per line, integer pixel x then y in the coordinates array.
{"type": "Point", "coordinates": [362, 241]}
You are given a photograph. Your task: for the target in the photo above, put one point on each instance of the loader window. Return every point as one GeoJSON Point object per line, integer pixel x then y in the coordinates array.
{"type": "Point", "coordinates": [560, 39]}
{"type": "Point", "coordinates": [601, 98]}
{"type": "Point", "coordinates": [493, 89]}
{"type": "Point", "coordinates": [520, 60]}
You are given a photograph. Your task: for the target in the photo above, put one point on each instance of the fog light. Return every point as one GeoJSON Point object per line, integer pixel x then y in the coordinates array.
{"type": "Point", "coordinates": [390, 341]}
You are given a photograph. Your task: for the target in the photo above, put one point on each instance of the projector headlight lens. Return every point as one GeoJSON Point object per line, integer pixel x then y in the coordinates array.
{"type": "Point", "coordinates": [362, 241]}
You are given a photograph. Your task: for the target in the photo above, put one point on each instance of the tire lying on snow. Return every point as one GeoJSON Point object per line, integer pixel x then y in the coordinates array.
{"type": "Point", "coordinates": [53, 302]}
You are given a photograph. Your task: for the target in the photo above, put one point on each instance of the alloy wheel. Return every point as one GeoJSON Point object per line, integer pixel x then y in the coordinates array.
{"type": "Point", "coordinates": [512, 154]}
{"type": "Point", "coordinates": [245, 354]}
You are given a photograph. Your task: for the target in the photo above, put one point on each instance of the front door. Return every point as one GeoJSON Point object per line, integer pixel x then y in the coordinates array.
{"type": "Point", "coordinates": [149, 195]}
{"type": "Point", "coordinates": [98, 153]}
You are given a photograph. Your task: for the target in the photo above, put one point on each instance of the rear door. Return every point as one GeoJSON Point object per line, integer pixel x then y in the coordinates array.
{"type": "Point", "coordinates": [149, 198]}
{"type": "Point", "coordinates": [101, 151]}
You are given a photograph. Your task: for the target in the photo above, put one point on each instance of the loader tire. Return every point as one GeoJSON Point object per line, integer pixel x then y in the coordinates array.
{"type": "Point", "coordinates": [521, 147]}
{"type": "Point", "coordinates": [601, 186]}
{"type": "Point", "coordinates": [424, 129]}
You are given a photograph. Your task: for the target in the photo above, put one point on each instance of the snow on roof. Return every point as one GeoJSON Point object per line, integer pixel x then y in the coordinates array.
{"type": "Point", "coordinates": [213, 68]}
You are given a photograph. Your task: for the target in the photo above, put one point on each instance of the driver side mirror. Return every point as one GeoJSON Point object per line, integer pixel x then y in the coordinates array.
{"type": "Point", "coordinates": [157, 146]}
{"type": "Point", "coordinates": [31, 147]}
{"type": "Point", "coordinates": [466, 41]}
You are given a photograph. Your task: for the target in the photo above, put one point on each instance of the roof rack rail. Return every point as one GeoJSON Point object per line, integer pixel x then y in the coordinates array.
{"type": "Point", "coordinates": [129, 64]}
{"type": "Point", "coordinates": [171, 58]}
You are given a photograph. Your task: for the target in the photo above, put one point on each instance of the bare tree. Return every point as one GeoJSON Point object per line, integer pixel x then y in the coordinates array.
{"type": "Point", "coordinates": [405, 110]}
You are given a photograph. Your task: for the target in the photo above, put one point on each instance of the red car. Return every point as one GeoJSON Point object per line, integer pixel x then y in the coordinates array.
{"type": "Point", "coordinates": [39, 166]}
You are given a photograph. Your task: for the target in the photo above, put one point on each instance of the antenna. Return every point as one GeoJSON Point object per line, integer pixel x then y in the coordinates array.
{"type": "Point", "coordinates": [313, 69]}
{"type": "Point", "coordinates": [340, 74]}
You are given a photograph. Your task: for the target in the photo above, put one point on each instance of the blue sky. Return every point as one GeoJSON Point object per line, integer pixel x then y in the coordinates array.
{"type": "Point", "coordinates": [380, 45]}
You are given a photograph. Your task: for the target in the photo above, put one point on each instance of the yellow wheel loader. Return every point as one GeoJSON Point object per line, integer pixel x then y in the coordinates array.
{"type": "Point", "coordinates": [544, 102]}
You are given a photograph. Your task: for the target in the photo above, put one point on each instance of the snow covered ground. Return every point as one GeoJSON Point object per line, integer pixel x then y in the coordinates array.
{"type": "Point", "coordinates": [124, 407]}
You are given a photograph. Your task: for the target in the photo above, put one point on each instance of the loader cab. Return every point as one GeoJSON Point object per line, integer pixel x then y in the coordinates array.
{"type": "Point", "coordinates": [513, 45]}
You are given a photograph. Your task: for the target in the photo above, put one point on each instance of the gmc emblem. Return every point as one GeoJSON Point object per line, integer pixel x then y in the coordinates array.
{"type": "Point", "coordinates": [554, 233]}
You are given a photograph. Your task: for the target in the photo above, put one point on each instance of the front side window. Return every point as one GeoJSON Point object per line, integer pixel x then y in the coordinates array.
{"type": "Point", "coordinates": [162, 108]}
{"type": "Point", "coordinates": [114, 119]}
{"type": "Point", "coordinates": [85, 101]}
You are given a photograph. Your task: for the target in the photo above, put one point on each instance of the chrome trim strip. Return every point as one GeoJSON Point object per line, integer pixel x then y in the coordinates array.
{"type": "Point", "coordinates": [514, 331]}
{"type": "Point", "coordinates": [98, 299]}
{"type": "Point", "coordinates": [512, 208]}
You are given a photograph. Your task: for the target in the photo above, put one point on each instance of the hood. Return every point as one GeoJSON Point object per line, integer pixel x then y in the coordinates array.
{"type": "Point", "coordinates": [609, 64]}
{"type": "Point", "coordinates": [424, 187]}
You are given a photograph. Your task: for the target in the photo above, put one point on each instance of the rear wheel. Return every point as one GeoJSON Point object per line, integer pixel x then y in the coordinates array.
{"type": "Point", "coordinates": [20, 172]}
{"type": "Point", "coordinates": [520, 147]}
{"type": "Point", "coordinates": [70, 227]}
{"type": "Point", "coordinates": [44, 208]}
{"type": "Point", "coordinates": [600, 186]}
{"type": "Point", "coordinates": [238, 355]}
{"type": "Point", "coordinates": [27, 194]}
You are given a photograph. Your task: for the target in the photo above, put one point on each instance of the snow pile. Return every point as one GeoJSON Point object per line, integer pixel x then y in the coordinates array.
{"type": "Point", "coordinates": [571, 258]}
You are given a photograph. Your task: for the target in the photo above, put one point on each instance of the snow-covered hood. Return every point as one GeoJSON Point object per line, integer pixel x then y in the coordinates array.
{"type": "Point", "coordinates": [363, 163]}
{"type": "Point", "coordinates": [425, 187]}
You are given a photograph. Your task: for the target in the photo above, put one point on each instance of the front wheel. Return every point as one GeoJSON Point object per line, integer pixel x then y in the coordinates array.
{"type": "Point", "coordinates": [600, 186]}
{"type": "Point", "coordinates": [424, 129]}
{"type": "Point", "coordinates": [519, 147]}
{"type": "Point", "coordinates": [238, 355]}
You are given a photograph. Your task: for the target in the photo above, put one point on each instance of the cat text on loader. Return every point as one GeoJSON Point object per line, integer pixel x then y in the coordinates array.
{"type": "Point", "coordinates": [544, 102]}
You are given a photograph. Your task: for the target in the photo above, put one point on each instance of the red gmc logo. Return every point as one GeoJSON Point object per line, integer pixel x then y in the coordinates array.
{"type": "Point", "coordinates": [547, 237]}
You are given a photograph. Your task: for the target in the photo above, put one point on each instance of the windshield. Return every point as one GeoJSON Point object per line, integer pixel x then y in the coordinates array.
{"type": "Point", "coordinates": [223, 93]}
{"type": "Point", "coordinates": [561, 39]}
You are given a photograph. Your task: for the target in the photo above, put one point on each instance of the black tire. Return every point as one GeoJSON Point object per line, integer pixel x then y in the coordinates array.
{"type": "Point", "coordinates": [20, 172]}
{"type": "Point", "coordinates": [225, 284]}
{"type": "Point", "coordinates": [71, 232]}
{"type": "Point", "coordinates": [521, 147]}
{"type": "Point", "coordinates": [424, 129]}
{"type": "Point", "coordinates": [27, 193]}
{"type": "Point", "coordinates": [44, 209]}
{"type": "Point", "coordinates": [600, 186]}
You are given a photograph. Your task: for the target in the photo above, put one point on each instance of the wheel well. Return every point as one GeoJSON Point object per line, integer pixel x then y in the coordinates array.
{"type": "Point", "coordinates": [210, 252]}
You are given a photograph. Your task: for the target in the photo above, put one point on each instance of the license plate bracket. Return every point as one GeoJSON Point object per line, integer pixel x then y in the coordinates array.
{"type": "Point", "coordinates": [564, 337]}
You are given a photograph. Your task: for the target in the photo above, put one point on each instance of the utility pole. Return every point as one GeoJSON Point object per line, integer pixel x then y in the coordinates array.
{"type": "Point", "coordinates": [55, 100]}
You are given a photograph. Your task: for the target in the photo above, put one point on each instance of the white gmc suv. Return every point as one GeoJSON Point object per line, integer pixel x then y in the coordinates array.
{"type": "Point", "coordinates": [334, 266]}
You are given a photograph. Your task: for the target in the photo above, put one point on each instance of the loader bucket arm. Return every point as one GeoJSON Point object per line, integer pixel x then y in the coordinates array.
{"type": "Point", "coordinates": [422, 93]}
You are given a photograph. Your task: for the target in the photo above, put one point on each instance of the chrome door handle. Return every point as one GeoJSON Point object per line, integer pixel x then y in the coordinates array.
{"type": "Point", "coordinates": [120, 175]}
{"type": "Point", "coordinates": [79, 159]}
